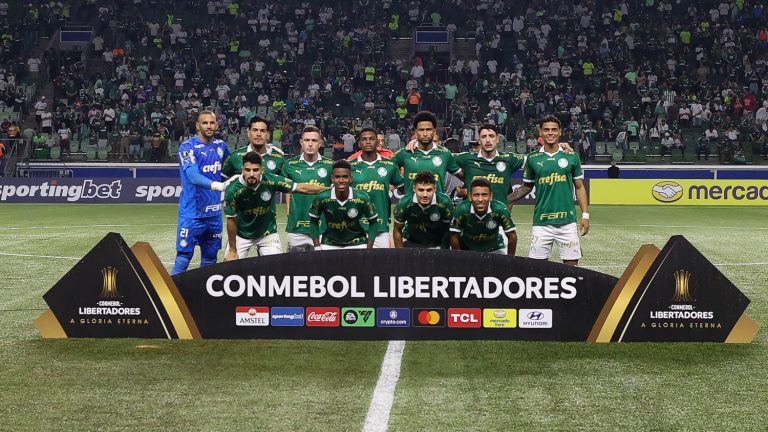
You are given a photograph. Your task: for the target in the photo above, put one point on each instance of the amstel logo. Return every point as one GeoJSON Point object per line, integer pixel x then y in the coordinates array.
{"type": "Point", "coordinates": [667, 191]}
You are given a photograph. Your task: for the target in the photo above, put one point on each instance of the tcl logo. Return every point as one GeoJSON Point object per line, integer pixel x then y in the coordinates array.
{"type": "Point", "coordinates": [464, 317]}
{"type": "Point", "coordinates": [323, 317]}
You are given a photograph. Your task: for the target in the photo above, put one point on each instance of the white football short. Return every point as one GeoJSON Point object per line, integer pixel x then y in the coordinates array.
{"type": "Point", "coordinates": [300, 242]}
{"type": "Point", "coordinates": [267, 245]}
{"type": "Point", "coordinates": [566, 237]}
{"type": "Point", "coordinates": [326, 247]}
{"type": "Point", "coordinates": [382, 241]}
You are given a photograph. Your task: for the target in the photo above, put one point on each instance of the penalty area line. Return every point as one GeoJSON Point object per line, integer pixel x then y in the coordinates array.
{"type": "Point", "coordinates": [377, 419]}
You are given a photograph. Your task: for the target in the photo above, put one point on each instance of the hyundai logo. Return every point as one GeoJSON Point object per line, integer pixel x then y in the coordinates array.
{"type": "Point", "coordinates": [535, 316]}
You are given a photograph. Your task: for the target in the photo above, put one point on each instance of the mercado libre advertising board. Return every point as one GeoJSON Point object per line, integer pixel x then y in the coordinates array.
{"type": "Point", "coordinates": [668, 295]}
{"type": "Point", "coordinates": [679, 192]}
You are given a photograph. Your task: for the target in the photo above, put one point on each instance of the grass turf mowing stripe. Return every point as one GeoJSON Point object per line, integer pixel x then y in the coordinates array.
{"type": "Point", "coordinates": [384, 394]}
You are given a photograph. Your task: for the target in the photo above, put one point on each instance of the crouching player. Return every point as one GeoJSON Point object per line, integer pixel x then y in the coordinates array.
{"type": "Point", "coordinates": [248, 206]}
{"type": "Point", "coordinates": [344, 210]}
{"type": "Point", "coordinates": [423, 216]}
{"type": "Point", "coordinates": [476, 222]}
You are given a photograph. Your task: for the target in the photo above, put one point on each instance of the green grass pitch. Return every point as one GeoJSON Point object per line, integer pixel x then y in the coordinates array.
{"type": "Point", "coordinates": [115, 385]}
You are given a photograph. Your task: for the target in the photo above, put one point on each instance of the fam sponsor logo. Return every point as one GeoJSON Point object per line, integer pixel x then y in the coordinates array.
{"type": "Point", "coordinates": [535, 318]}
{"type": "Point", "coordinates": [429, 317]}
{"type": "Point", "coordinates": [323, 317]}
{"type": "Point", "coordinates": [357, 317]}
{"type": "Point", "coordinates": [393, 317]}
{"type": "Point", "coordinates": [499, 318]}
{"type": "Point", "coordinates": [287, 316]}
{"type": "Point", "coordinates": [464, 317]}
{"type": "Point", "coordinates": [252, 316]}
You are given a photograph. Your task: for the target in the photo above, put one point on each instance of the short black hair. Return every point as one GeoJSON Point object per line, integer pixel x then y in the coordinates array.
{"type": "Point", "coordinates": [424, 177]}
{"type": "Point", "coordinates": [550, 119]}
{"type": "Point", "coordinates": [252, 157]}
{"type": "Point", "coordinates": [366, 129]}
{"type": "Point", "coordinates": [423, 116]}
{"type": "Point", "coordinates": [258, 119]}
{"type": "Point", "coordinates": [342, 164]}
{"type": "Point", "coordinates": [481, 182]}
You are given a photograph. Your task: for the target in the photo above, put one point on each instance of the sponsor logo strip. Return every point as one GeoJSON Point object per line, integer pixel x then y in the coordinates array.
{"type": "Point", "coordinates": [535, 318]}
{"type": "Point", "coordinates": [393, 317]}
{"type": "Point", "coordinates": [465, 317]}
{"type": "Point", "coordinates": [358, 317]}
{"type": "Point", "coordinates": [323, 317]}
{"type": "Point", "coordinates": [429, 317]}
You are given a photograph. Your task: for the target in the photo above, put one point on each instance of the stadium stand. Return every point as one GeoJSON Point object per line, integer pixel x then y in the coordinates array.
{"type": "Point", "coordinates": [615, 72]}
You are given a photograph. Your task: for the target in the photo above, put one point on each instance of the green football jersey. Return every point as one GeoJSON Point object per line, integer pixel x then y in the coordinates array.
{"type": "Point", "coordinates": [374, 178]}
{"type": "Point", "coordinates": [253, 206]}
{"type": "Point", "coordinates": [481, 233]}
{"type": "Point", "coordinates": [300, 171]}
{"type": "Point", "coordinates": [498, 170]}
{"type": "Point", "coordinates": [426, 226]}
{"type": "Point", "coordinates": [344, 220]}
{"type": "Point", "coordinates": [272, 161]}
{"type": "Point", "coordinates": [553, 175]}
{"type": "Point", "coordinates": [437, 160]}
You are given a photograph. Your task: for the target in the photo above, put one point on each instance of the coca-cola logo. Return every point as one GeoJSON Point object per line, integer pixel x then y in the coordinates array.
{"type": "Point", "coordinates": [323, 317]}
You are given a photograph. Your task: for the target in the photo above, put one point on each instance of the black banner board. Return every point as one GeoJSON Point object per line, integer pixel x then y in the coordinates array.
{"type": "Point", "coordinates": [397, 294]}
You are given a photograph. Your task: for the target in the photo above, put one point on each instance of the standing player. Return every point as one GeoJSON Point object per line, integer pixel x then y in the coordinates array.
{"type": "Point", "coordinates": [199, 222]}
{"type": "Point", "coordinates": [248, 205]}
{"type": "Point", "coordinates": [555, 175]}
{"type": "Point", "coordinates": [422, 217]}
{"type": "Point", "coordinates": [476, 222]}
{"type": "Point", "coordinates": [489, 163]}
{"type": "Point", "coordinates": [344, 210]}
{"type": "Point", "coordinates": [373, 174]}
{"type": "Point", "coordinates": [427, 156]}
{"type": "Point", "coordinates": [308, 167]}
{"type": "Point", "coordinates": [259, 133]}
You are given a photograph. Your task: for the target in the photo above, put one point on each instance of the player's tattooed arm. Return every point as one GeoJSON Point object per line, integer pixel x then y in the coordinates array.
{"type": "Point", "coordinates": [522, 191]}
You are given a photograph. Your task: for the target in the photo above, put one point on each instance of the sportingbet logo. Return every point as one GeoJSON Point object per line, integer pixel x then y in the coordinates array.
{"type": "Point", "coordinates": [323, 317]}
{"type": "Point", "coordinates": [252, 316]}
{"type": "Point", "coordinates": [73, 193]}
{"type": "Point", "coordinates": [152, 192]}
{"type": "Point", "coordinates": [464, 317]}
{"type": "Point", "coordinates": [216, 167]}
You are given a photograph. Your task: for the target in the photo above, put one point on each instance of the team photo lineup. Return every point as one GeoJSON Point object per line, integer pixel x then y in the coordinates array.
{"type": "Point", "coordinates": [346, 203]}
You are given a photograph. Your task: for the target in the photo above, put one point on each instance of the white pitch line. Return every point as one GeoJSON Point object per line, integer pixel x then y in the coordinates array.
{"type": "Point", "coordinates": [377, 419]}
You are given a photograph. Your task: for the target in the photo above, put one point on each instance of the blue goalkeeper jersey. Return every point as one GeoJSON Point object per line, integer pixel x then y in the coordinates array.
{"type": "Point", "coordinates": [199, 165]}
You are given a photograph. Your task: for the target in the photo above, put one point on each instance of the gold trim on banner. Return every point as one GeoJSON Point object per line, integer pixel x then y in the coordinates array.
{"type": "Point", "coordinates": [744, 331]}
{"type": "Point", "coordinates": [614, 308]}
{"type": "Point", "coordinates": [49, 326]}
{"type": "Point", "coordinates": [166, 289]}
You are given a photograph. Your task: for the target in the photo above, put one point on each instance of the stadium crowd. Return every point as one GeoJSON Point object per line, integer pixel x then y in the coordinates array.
{"type": "Point", "coordinates": [687, 76]}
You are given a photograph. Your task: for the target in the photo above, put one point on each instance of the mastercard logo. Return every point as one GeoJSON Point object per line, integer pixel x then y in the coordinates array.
{"type": "Point", "coordinates": [429, 317]}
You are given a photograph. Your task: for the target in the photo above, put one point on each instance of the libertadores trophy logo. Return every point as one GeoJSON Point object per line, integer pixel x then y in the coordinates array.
{"type": "Point", "coordinates": [682, 290]}
{"type": "Point", "coordinates": [109, 283]}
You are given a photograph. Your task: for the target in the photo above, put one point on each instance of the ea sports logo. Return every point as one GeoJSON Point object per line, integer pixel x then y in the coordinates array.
{"type": "Point", "coordinates": [667, 191]}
